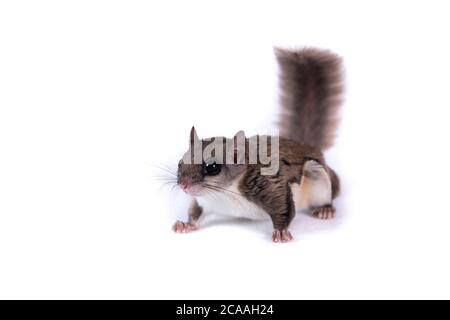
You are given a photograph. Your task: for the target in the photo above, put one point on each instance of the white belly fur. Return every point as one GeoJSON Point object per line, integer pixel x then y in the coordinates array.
{"type": "Point", "coordinates": [232, 204]}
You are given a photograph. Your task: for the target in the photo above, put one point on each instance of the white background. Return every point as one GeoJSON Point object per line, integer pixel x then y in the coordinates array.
{"type": "Point", "coordinates": [95, 94]}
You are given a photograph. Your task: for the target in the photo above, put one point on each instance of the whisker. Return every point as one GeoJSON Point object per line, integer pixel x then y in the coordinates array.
{"type": "Point", "coordinates": [218, 187]}
{"type": "Point", "coordinates": [164, 178]}
{"type": "Point", "coordinates": [167, 177]}
{"type": "Point", "coordinates": [165, 169]}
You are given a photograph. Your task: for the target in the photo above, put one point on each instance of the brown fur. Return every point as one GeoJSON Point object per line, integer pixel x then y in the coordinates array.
{"type": "Point", "coordinates": [335, 183]}
{"type": "Point", "coordinates": [195, 211]}
{"type": "Point", "coordinates": [273, 193]}
{"type": "Point", "coordinates": [310, 95]}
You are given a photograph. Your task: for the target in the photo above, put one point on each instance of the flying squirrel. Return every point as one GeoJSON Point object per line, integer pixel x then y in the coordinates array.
{"type": "Point", "coordinates": [311, 93]}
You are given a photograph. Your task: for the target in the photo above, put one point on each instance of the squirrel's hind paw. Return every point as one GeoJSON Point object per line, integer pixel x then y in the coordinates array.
{"type": "Point", "coordinates": [325, 212]}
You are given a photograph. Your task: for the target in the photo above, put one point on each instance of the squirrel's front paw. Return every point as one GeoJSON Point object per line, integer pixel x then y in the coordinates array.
{"type": "Point", "coordinates": [183, 227]}
{"type": "Point", "coordinates": [281, 236]}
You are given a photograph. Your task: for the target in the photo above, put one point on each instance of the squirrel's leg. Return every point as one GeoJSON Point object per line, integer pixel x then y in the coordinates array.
{"type": "Point", "coordinates": [282, 217]}
{"type": "Point", "coordinates": [327, 211]}
{"type": "Point", "coordinates": [194, 214]}
{"type": "Point", "coordinates": [317, 189]}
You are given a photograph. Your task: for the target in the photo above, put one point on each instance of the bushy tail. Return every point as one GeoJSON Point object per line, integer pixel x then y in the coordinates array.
{"type": "Point", "coordinates": [311, 94]}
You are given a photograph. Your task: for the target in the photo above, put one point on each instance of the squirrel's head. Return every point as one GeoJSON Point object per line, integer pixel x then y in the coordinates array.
{"type": "Point", "coordinates": [210, 165]}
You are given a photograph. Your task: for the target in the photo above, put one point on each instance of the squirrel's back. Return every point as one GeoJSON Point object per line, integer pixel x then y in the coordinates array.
{"type": "Point", "coordinates": [311, 94]}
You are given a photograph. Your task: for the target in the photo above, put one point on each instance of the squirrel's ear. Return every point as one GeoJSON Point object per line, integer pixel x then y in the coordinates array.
{"type": "Point", "coordinates": [194, 136]}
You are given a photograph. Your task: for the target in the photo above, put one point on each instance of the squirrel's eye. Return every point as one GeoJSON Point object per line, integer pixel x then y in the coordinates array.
{"type": "Point", "coordinates": [212, 168]}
